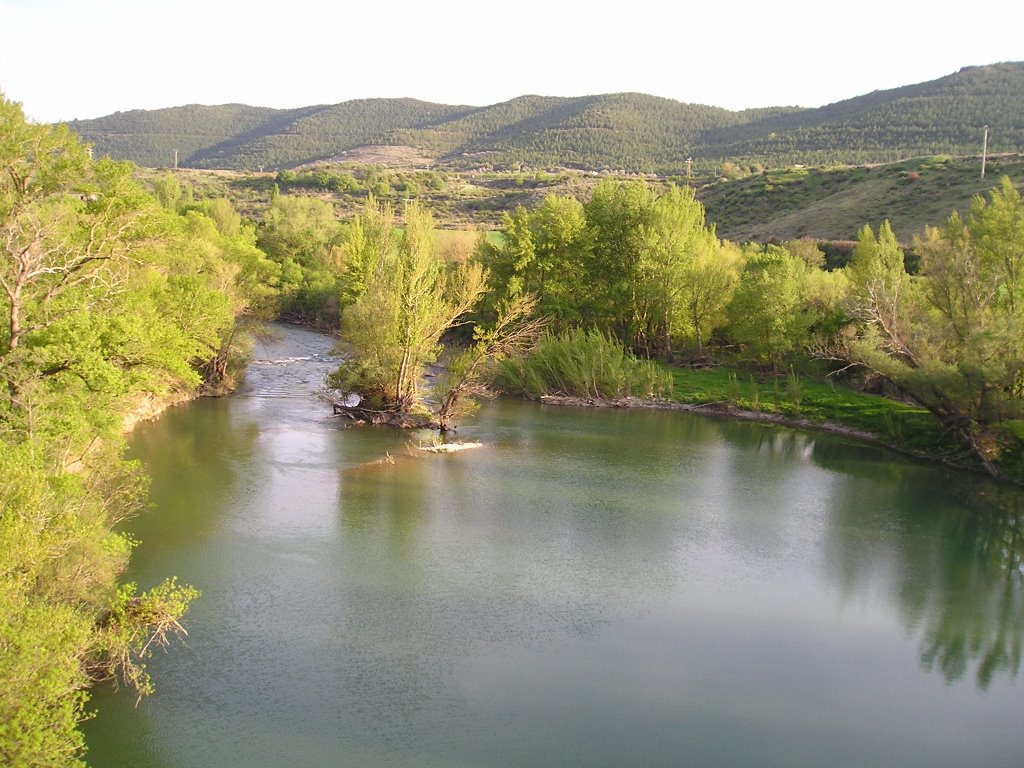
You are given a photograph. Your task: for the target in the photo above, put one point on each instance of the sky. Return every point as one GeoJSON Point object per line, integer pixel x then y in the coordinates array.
{"type": "Point", "coordinates": [67, 59]}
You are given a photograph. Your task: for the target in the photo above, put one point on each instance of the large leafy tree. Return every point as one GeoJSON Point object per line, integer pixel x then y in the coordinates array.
{"type": "Point", "coordinates": [633, 262]}
{"type": "Point", "coordinates": [542, 253]}
{"type": "Point", "coordinates": [393, 330]}
{"type": "Point", "coordinates": [682, 273]}
{"type": "Point", "coordinates": [706, 284]}
{"type": "Point", "coordinates": [302, 235]}
{"type": "Point", "coordinates": [765, 314]}
{"type": "Point", "coordinates": [367, 242]}
{"type": "Point", "coordinates": [952, 338]}
{"type": "Point", "coordinates": [619, 220]}
{"type": "Point", "coordinates": [105, 296]}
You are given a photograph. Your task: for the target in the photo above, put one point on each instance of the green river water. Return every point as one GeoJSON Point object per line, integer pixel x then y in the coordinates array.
{"type": "Point", "coordinates": [589, 588]}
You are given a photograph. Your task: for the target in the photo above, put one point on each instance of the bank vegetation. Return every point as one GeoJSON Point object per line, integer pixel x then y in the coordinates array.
{"type": "Point", "coordinates": [110, 297]}
{"type": "Point", "coordinates": [635, 270]}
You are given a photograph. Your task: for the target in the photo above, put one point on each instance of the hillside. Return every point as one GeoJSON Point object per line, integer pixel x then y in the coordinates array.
{"type": "Point", "coordinates": [833, 203]}
{"type": "Point", "coordinates": [824, 202]}
{"type": "Point", "coordinates": [235, 136]}
{"type": "Point", "coordinates": [628, 131]}
{"type": "Point", "coordinates": [943, 116]}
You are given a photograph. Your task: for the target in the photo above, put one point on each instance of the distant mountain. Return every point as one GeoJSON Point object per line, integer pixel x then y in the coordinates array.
{"type": "Point", "coordinates": [628, 131]}
{"type": "Point", "coordinates": [235, 136]}
{"type": "Point", "coordinates": [944, 116]}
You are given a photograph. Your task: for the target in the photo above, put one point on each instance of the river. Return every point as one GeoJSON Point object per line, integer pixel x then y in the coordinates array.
{"type": "Point", "coordinates": [589, 588]}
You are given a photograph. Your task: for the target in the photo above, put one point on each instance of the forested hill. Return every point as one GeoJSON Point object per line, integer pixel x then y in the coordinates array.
{"type": "Point", "coordinates": [236, 136]}
{"type": "Point", "coordinates": [944, 116]}
{"type": "Point", "coordinates": [627, 131]}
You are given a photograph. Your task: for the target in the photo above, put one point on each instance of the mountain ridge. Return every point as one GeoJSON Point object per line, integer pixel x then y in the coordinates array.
{"type": "Point", "coordinates": [628, 131]}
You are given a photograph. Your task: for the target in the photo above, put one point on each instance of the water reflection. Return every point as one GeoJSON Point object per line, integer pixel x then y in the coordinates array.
{"type": "Point", "coordinates": [953, 550]}
{"type": "Point", "coordinates": [194, 457]}
{"type": "Point", "coordinates": [972, 614]}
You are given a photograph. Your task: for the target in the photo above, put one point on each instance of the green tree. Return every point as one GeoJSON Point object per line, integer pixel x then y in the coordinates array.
{"type": "Point", "coordinates": [707, 283]}
{"type": "Point", "coordinates": [618, 220]}
{"type": "Point", "coordinates": [367, 241]}
{"type": "Point", "coordinates": [880, 289]}
{"type": "Point", "coordinates": [228, 220]}
{"type": "Point", "coordinates": [952, 339]}
{"type": "Point", "coordinates": [469, 372]}
{"type": "Point", "coordinates": [559, 234]}
{"type": "Point", "coordinates": [765, 312]}
{"type": "Point", "coordinates": [168, 191]}
{"type": "Point", "coordinates": [303, 236]}
{"type": "Point", "coordinates": [95, 313]}
{"type": "Point", "coordinates": [394, 328]}
{"type": "Point", "coordinates": [808, 250]}
{"type": "Point", "coordinates": [512, 263]}
{"type": "Point", "coordinates": [669, 293]}
{"type": "Point", "coordinates": [541, 253]}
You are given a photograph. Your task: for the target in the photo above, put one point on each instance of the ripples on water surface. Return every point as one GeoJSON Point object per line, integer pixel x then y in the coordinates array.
{"type": "Point", "coordinates": [591, 588]}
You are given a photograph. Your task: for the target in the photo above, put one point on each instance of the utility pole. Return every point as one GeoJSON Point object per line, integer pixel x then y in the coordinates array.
{"type": "Point", "coordinates": [175, 159]}
{"type": "Point", "coordinates": [689, 169]}
{"type": "Point", "coordinates": [984, 151]}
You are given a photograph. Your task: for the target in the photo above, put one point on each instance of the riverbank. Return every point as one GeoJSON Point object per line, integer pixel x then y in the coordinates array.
{"type": "Point", "coordinates": [793, 401]}
{"type": "Point", "coordinates": [949, 457]}
{"type": "Point", "coordinates": [148, 406]}
{"type": "Point", "coordinates": [714, 409]}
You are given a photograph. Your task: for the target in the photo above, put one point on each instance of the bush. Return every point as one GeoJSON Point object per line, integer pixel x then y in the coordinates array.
{"type": "Point", "coordinates": [582, 363]}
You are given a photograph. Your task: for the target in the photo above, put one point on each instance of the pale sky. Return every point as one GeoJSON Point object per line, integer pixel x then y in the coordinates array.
{"type": "Point", "coordinates": [66, 59]}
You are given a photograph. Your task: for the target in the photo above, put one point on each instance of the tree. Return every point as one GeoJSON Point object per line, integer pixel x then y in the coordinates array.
{"type": "Point", "coordinates": [223, 212]}
{"type": "Point", "coordinates": [706, 286]}
{"type": "Point", "coordinates": [303, 236]}
{"type": "Point", "coordinates": [671, 289]}
{"type": "Point", "coordinates": [367, 241]}
{"type": "Point", "coordinates": [393, 330]}
{"type": "Point", "coordinates": [558, 228]}
{"type": "Point", "coordinates": [62, 226]}
{"type": "Point", "coordinates": [168, 191]}
{"type": "Point", "coordinates": [541, 253]}
{"type": "Point", "coordinates": [512, 263]}
{"type": "Point", "coordinates": [512, 334]}
{"type": "Point", "coordinates": [638, 264]}
{"type": "Point", "coordinates": [102, 301]}
{"type": "Point", "coordinates": [952, 339]}
{"type": "Point", "coordinates": [808, 251]}
{"type": "Point", "coordinates": [880, 289]}
{"type": "Point", "coordinates": [618, 220]}
{"type": "Point", "coordinates": [765, 312]}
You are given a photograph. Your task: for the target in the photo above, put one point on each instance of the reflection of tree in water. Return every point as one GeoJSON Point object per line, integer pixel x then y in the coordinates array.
{"type": "Point", "coordinates": [954, 547]}
{"type": "Point", "coordinates": [980, 613]}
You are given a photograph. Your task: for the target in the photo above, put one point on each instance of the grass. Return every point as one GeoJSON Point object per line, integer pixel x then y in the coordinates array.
{"type": "Point", "coordinates": [589, 365]}
{"type": "Point", "coordinates": [584, 364]}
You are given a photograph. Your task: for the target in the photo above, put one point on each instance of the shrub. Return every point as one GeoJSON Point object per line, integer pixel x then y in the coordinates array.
{"type": "Point", "coordinates": [582, 363]}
